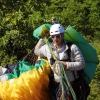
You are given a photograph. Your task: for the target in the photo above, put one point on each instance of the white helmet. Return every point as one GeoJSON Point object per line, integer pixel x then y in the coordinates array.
{"type": "Point", "coordinates": [56, 29]}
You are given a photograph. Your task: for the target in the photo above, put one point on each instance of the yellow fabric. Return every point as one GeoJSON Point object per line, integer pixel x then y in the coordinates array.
{"type": "Point", "coordinates": [31, 85]}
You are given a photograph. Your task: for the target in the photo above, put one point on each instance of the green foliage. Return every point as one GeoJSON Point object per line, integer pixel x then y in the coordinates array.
{"type": "Point", "coordinates": [15, 29]}
{"type": "Point", "coordinates": [82, 14]}
{"type": "Point", "coordinates": [95, 84]}
{"type": "Point", "coordinates": [18, 19]}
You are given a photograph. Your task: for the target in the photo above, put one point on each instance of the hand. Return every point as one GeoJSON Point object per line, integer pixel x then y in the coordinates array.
{"type": "Point", "coordinates": [45, 34]}
{"type": "Point", "coordinates": [56, 68]}
{"type": "Point", "coordinates": [64, 64]}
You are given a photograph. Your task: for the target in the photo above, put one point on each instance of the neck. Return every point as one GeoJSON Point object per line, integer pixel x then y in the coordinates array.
{"type": "Point", "coordinates": [59, 46]}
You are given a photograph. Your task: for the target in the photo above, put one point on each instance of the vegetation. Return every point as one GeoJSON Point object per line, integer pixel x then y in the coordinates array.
{"type": "Point", "coordinates": [19, 18]}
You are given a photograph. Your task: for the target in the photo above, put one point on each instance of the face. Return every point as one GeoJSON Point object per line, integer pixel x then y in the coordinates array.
{"type": "Point", "coordinates": [57, 39]}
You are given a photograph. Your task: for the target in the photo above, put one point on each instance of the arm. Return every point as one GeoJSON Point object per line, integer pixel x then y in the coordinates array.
{"type": "Point", "coordinates": [77, 60]}
{"type": "Point", "coordinates": [40, 48]}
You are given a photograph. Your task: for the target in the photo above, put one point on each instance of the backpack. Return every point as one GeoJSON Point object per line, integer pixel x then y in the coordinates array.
{"type": "Point", "coordinates": [89, 53]}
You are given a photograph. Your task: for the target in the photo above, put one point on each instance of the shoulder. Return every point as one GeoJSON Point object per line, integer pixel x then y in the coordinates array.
{"type": "Point", "coordinates": [75, 48]}
{"type": "Point", "coordinates": [72, 46]}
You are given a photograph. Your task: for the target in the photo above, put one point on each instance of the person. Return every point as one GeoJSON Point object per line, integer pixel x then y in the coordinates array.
{"type": "Point", "coordinates": [71, 66]}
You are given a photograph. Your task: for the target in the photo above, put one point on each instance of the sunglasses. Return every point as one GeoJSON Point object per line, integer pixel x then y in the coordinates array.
{"type": "Point", "coordinates": [55, 36]}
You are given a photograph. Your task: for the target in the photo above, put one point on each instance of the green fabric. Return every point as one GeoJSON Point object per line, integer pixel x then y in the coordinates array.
{"type": "Point", "coordinates": [41, 30]}
{"type": "Point", "coordinates": [89, 53]}
{"type": "Point", "coordinates": [23, 66]}
{"type": "Point", "coordinates": [89, 70]}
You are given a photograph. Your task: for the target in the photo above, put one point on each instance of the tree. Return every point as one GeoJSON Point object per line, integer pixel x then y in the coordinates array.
{"type": "Point", "coordinates": [19, 18]}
